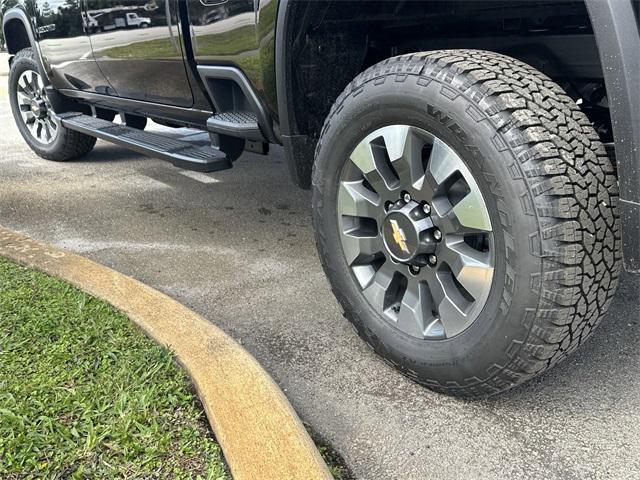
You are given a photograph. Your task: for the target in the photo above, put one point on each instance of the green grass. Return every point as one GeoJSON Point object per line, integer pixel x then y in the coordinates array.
{"type": "Point", "coordinates": [84, 394]}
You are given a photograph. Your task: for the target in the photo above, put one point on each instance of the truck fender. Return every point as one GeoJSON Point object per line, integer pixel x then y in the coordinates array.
{"type": "Point", "coordinates": [18, 14]}
{"type": "Point", "coordinates": [615, 26]}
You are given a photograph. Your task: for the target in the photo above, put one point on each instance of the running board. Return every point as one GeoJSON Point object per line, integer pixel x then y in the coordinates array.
{"type": "Point", "coordinates": [236, 124]}
{"type": "Point", "coordinates": [179, 153]}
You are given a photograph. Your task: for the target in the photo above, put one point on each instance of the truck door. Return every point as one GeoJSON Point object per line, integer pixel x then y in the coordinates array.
{"type": "Point", "coordinates": [65, 47]}
{"type": "Point", "coordinates": [137, 46]}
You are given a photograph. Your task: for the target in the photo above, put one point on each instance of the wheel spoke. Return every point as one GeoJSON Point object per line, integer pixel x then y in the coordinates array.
{"type": "Point", "coordinates": [360, 249]}
{"type": "Point", "coordinates": [452, 318]}
{"type": "Point", "coordinates": [443, 162]}
{"type": "Point", "coordinates": [470, 267]}
{"type": "Point", "coordinates": [40, 129]}
{"type": "Point", "coordinates": [25, 87]}
{"type": "Point", "coordinates": [27, 116]}
{"type": "Point", "coordinates": [356, 200]}
{"type": "Point", "coordinates": [372, 169]}
{"type": "Point", "coordinates": [53, 126]}
{"type": "Point", "coordinates": [34, 82]}
{"type": "Point", "coordinates": [416, 309]}
{"type": "Point", "coordinates": [449, 223]}
{"type": "Point", "coordinates": [471, 211]}
{"type": "Point", "coordinates": [404, 149]}
{"type": "Point", "coordinates": [47, 130]}
{"type": "Point", "coordinates": [23, 99]}
{"type": "Point", "coordinates": [39, 86]}
{"type": "Point", "coordinates": [33, 126]}
{"type": "Point", "coordinates": [377, 289]}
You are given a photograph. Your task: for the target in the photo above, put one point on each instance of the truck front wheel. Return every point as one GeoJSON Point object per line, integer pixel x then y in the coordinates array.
{"type": "Point", "coordinates": [465, 215]}
{"type": "Point", "coordinates": [35, 117]}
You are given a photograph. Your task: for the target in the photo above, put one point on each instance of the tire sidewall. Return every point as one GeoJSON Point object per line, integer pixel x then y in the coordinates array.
{"type": "Point", "coordinates": [505, 319]}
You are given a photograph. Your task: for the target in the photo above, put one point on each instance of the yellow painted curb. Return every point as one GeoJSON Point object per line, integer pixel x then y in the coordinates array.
{"type": "Point", "coordinates": [260, 434]}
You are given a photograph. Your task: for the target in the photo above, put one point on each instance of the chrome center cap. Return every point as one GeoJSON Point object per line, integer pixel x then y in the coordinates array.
{"type": "Point", "coordinates": [39, 108]}
{"type": "Point", "coordinates": [402, 233]}
{"type": "Point", "coordinates": [400, 236]}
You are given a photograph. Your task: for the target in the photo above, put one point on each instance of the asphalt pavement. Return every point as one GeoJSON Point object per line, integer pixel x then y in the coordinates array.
{"type": "Point", "coordinates": [237, 246]}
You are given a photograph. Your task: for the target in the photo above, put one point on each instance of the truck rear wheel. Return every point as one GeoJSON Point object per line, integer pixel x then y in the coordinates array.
{"type": "Point", "coordinates": [465, 215]}
{"type": "Point", "coordinates": [35, 117]}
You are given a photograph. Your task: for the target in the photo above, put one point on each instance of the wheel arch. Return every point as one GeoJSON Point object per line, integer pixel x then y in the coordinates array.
{"type": "Point", "coordinates": [16, 35]}
{"type": "Point", "coordinates": [19, 34]}
{"type": "Point", "coordinates": [312, 37]}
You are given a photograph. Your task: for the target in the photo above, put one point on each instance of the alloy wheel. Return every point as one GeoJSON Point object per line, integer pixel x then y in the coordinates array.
{"type": "Point", "coordinates": [416, 232]}
{"type": "Point", "coordinates": [35, 109]}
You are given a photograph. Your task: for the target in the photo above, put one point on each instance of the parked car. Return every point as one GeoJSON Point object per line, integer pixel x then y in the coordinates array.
{"type": "Point", "coordinates": [475, 166]}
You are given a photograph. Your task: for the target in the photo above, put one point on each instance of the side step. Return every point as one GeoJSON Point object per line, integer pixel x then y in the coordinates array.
{"type": "Point", "coordinates": [236, 124]}
{"type": "Point", "coordinates": [179, 153]}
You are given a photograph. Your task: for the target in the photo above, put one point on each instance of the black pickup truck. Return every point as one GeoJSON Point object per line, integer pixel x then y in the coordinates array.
{"type": "Point", "coordinates": [475, 165]}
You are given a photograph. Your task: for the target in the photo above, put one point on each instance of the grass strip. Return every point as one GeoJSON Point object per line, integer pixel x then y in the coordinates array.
{"type": "Point", "coordinates": [83, 392]}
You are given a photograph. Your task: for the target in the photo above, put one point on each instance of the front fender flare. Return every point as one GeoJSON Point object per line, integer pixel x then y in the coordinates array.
{"type": "Point", "coordinates": [19, 14]}
{"type": "Point", "coordinates": [615, 26]}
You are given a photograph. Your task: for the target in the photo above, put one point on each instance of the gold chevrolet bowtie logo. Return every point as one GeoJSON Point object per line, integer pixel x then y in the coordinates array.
{"type": "Point", "coordinates": [399, 236]}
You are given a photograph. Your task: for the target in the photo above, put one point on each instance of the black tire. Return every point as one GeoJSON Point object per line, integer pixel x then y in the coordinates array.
{"type": "Point", "coordinates": [551, 193]}
{"type": "Point", "coordinates": [68, 144]}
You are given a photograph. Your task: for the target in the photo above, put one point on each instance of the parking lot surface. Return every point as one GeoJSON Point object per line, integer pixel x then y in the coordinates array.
{"type": "Point", "coordinates": [237, 246]}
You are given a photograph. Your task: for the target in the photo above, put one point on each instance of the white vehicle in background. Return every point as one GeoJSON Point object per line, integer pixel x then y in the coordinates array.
{"type": "Point", "coordinates": [131, 19]}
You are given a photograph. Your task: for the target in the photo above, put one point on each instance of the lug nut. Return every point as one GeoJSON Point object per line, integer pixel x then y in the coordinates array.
{"type": "Point", "coordinates": [415, 269]}
{"type": "Point", "coordinates": [433, 259]}
{"type": "Point", "coordinates": [437, 234]}
{"type": "Point", "coordinates": [426, 208]}
{"type": "Point", "coordinates": [406, 197]}
{"type": "Point", "coordinates": [387, 206]}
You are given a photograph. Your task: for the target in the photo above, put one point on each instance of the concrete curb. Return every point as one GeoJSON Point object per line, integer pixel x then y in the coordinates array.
{"type": "Point", "coordinates": [259, 432]}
